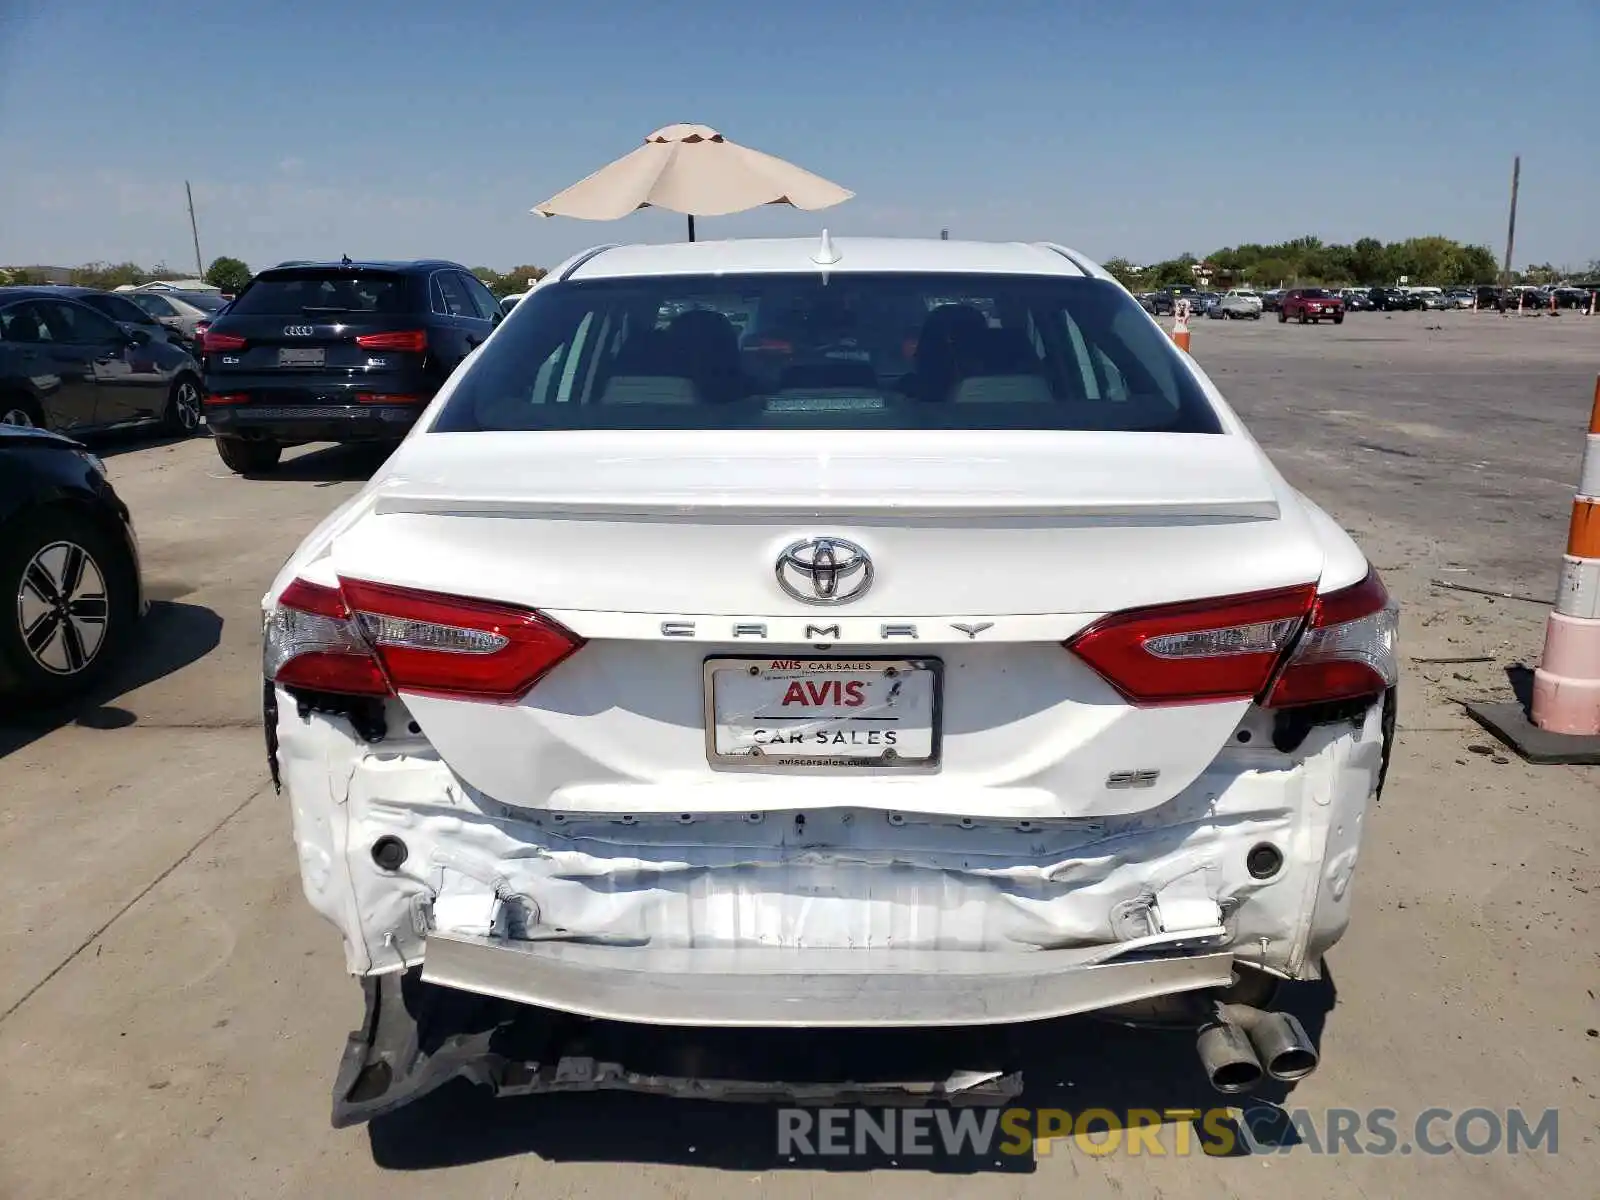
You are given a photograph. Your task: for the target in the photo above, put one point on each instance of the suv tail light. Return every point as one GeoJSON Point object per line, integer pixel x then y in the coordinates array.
{"type": "Point", "coordinates": [373, 639]}
{"type": "Point", "coordinates": [1250, 647]}
{"type": "Point", "coordinates": [220, 341]}
{"type": "Point", "coordinates": [404, 339]}
{"type": "Point", "coordinates": [1348, 650]}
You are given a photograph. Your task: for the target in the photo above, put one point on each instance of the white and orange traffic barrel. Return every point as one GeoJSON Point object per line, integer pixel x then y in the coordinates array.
{"type": "Point", "coordinates": [1566, 686]}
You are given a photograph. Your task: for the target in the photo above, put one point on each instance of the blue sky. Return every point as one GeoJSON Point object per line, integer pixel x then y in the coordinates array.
{"type": "Point", "coordinates": [1133, 127]}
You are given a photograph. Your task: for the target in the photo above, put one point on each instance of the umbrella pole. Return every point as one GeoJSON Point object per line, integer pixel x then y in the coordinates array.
{"type": "Point", "coordinates": [691, 227]}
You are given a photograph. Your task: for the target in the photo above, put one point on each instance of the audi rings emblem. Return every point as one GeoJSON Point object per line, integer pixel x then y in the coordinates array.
{"type": "Point", "coordinates": [824, 571]}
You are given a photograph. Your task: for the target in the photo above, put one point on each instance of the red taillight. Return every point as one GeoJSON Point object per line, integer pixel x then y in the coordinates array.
{"type": "Point", "coordinates": [1204, 650]}
{"type": "Point", "coordinates": [776, 345]}
{"type": "Point", "coordinates": [385, 398]}
{"type": "Point", "coordinates": [220, 341]}
{"type": "Point", "coordinates": [372, 638]}
{"type": "Point", "coordinates": [227, 398]}
{"type": "Point", "coordinates": [1348, 651]}
{"type": "Point", "coordinates": [404, 339]}
{"type": "Point", "coordinates": [1340, 646]}
{"type": "Point", "coordinates": [454, 646]}
{"type": "Point", "coordinates": [311, 642]}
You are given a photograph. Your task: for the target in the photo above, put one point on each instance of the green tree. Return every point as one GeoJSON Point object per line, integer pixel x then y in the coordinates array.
{"type": "Point", "coordinates": [1475, 264]}
{"type": "Point", "coordinates": [1123, 271]}
{"type": "Point", "coordinates": [1369, 261]}
{"type": "Point", "coordinates": [107, 275]}
{"type": "Point", "coordinates": [229, 274]}
{"type": "Point", "coordinates": [492, 279]}
{"type": "Point", "coordinates": [520, 279]}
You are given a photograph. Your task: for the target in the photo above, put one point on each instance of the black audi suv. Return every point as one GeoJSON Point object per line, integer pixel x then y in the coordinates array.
{"type": "Point", "coordinates": [336, 352]}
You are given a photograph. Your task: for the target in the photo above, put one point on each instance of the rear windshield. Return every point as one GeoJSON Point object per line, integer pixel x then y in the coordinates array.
{"type": "Point", "coordinates": [287, 293]}
{"type": "Point", "coordinates": [208, 301]}
{"type": "Point", "coordinates": [839, 351]}
{"type": "Point", "coordinates": [1315, 294]}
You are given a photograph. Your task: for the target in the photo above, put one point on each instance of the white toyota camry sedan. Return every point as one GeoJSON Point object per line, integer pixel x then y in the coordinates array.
{"type": "Point", "coordinates": [818, 633]}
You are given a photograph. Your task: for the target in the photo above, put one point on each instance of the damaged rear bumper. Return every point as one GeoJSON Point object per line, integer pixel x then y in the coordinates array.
{"type": "Point", "coordinates": [416, 1037]}
{"type": "Point", "coordinates": [823, 989]}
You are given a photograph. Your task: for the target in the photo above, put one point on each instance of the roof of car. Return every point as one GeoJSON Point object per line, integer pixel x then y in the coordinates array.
{"type": "Point", "coordinates": [368, 264]}
{"type": "Point", "coordinates": [752, 256]}
{"type": "Point", "coordinates": [33, 291]}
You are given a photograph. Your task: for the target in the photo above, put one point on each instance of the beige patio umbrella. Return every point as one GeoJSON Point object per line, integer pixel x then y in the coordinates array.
{"type": "Point", "coordinates": [692, 169]}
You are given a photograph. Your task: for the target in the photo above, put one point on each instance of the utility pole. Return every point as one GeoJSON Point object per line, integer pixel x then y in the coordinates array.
{"type": "Point", "coordinates": [1511, 227]}
{"type": "Point", "coordinates": [199, 265]}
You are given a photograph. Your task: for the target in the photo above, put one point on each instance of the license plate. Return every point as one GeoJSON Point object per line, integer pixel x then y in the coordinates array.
{"type": "Point", "coordinates": [298, 356]}
{"type": "Point", "coordinates": [822, 712]}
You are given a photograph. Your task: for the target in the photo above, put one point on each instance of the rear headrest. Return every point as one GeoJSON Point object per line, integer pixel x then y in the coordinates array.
{"type": "Point", "coordinates": [1008, 352]}
{"type": "Point", "coordinates": [705, 346]}
{"type": "Point", "coordinates": [705, 331]}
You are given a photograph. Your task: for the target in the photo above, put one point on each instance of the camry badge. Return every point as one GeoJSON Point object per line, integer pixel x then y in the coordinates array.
{"type": "Point", "coordinates": [972, 631]}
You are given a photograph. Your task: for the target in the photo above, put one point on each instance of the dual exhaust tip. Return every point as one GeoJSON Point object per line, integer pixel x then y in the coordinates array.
{"type": "Point", "coordinates": [1242, 1045]}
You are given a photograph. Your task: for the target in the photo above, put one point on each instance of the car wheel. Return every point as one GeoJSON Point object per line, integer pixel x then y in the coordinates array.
{"type": "Point", "coordinates": [1255, 316]}
{"type": "Point", "coordinates": [1303, 317]}
{"type": "Point", "coordinates": [20, 413]}
{"type": "Point", "coordinates": [68, 601]}
{"type": "Point", "coordinates": [182, 415]}
{"type": "Point", "coordinates": [1339, 319]}
{"type": "Point", "coordinates": [247, 457]}
{"type": "Point", "coordinates": [1282, 316]}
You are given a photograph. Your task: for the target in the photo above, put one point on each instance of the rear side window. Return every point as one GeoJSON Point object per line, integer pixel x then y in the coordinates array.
{"type": "Point", "coordinates": [290, 293]}
{"type": "Point", "coordinates": [450, 297]}
{"type": "Point", "coordinates": [118, 309]}
{"type": "Point", "coordinates": [482, 298]}
{"type": "Point", "coordinates": [205, 301]}
{"type": "Point", "coordinates": [154, 305]}
{"type": "Point", "coordinates": [841, 351]}
{"type": "Point", "coordinates": [24, 323]}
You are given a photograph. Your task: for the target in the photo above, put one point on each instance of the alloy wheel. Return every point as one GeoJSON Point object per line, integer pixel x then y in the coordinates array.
{"type": "Point", "coordinates": [62, 607]}
{"type": "Point", "coordinates": [186, 404]}
{"type": "Point", "coordinates": [16, 416]}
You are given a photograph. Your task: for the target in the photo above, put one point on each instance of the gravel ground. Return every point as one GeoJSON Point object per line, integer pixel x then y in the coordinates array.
{"type": "Point", "coordinates": [172, 1011]}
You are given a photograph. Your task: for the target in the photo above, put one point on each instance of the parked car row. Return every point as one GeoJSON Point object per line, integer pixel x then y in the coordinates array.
{"type": "Point", "coordinates": [1246, 302]}
{"type": "Point", "coordinates": [68, 363]}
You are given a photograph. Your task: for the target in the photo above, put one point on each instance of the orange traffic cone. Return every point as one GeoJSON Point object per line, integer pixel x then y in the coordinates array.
{"type": "Point", "coordinates": [1566, 687]}
{"type": "Point", "coordinates": [1562, 724]}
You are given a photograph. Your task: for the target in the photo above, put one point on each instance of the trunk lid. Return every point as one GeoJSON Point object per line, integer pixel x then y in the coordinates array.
{"type": "Point", "coordinates": [989, 550]}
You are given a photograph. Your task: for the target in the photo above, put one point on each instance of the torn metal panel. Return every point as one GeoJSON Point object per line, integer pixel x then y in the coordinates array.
{"type": "Point", "coordinates": [831, 878]}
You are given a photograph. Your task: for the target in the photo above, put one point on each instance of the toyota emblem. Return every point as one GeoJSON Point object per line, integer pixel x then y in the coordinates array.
{"type": "Point", "coordinates": [824, 571]}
